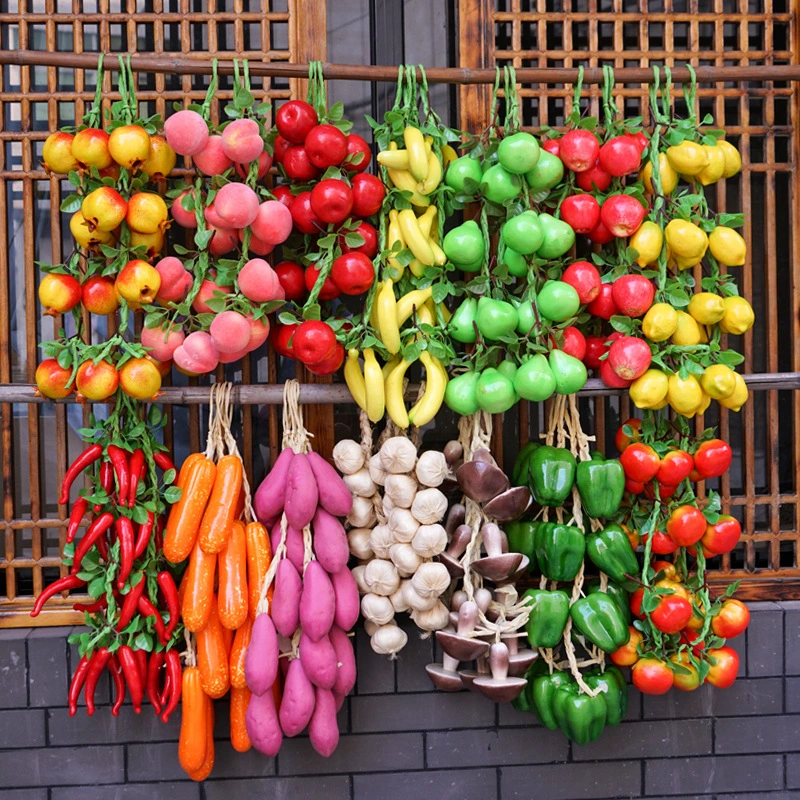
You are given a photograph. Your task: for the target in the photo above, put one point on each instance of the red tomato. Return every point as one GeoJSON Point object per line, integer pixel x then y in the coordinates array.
{"type": "Point", "coordinates": [668, 568]}
{"type": "Point", "coordinates": [370, 237]}
{"type": "Point", "coordinates": [641, 140]}
{"type": "Point", "coordinates": [305, 220]}
{"type": "Point", "coordinates": [283, 194]}
{"type": "Point", "coordinates": [601, 234]}
{"type": "Point", "coordinates": [732, 619]}
{"type": "Point", "coordinates": [723, 535]}
{"type": "Point", "coordinates": [329, 288]}
{"type": "Point", "coordinates": [581, 212]}
{"type": "Point", "coordinates": [622, 440]}
{"type": "Point", "coordinates": [651, 676]}
{"type": "Point", "coordinates": [712, 458]}
{"type": "Point", "coordinates": [579, 149]}
{"type": "Point", "coordinates": [314, 342]}
{"type": "Point", "coordinates": [281, 338]}
{"type": "Point", "coordinates": [629, 357]}
{"type": "Point", "coordinates": [686, 525]}
{"type": "Point", "coordinates": [294, 120]}
{"type": "Point", "coordinates": [610, 378]}
{"type": "Point", "coordinates": [552, 146]}
{"type": "Point", "coordinates": [329, 365]}
{"type": "Point", "coordinates": [633, 295]}
{"type": "Point", "coordinates": [574, 343]}
{"type": "Point", "coordinates": [640, 462]}
{"type": "Point", "coordinates": [622, 214]}
{"type": "Point", "coordinates": [723, 673]}
{"type": "Point", "coordinates": [594, 179]}
{"type": "Point", "coordinates": [292, 279]}
{"type": "Point", "coordinates": [675, 468]}
{"type": "Point", "coordinates": [595, 347]}
{"type": "Point", "coordinates": [603, 305]}
{"type": "Point", "coordinates": [626, 656]}
{"type": "Point", "coordinates": [681, 680]}
{"type": "Point", "coordinates": [279, 148]}
{"type": "Point", "coordinates": [298, 165]}
{"type": "Point", "coordinates": [664, 491]}
{"type": "Point", "coordinates": [353, 273]}
{"type": "Point", "coordinates": [671, 614]}
{"type": "Point", "coordinates": [584, 278]}
{"type": "Point", "coordinates": [332, 200]}
{"type": "Point", "coordinates": [326, 145]}
{"type": "Point", "coordinates": [662, 544]}
{"type": "Point", "coordinates": [693, 638]}
{"type": "Point", "coordinates": [357, 146]}
{"type": "Point", "coordinates": [620, 156]}
{"type": "Point", "coordinates": [634, 487]}
{"type": "Point", "coordinates": [368, 194]}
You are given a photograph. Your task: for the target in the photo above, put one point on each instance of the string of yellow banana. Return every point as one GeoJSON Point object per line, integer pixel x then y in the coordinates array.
{"type": "Point", "coordinates": [405, 317]}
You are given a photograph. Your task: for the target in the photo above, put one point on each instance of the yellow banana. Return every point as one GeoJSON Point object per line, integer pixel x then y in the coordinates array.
{"type": "Point", "coordinates": [394, 234]}
{"type": "Point", "coordinates": [449, 154]}
{"type": "Point", "coordinates": [387, 317]}
{"type": "Point", "coordinates": [439, 257]}
{"type": "Point", "coordinates": [406, 182]}
{"type": "Point", "coordinates": [427, 224]}
{"type": "Point", "coordinates": [389, 366]}
{"type": "Point", "coordinates": [395, 403]}
{"type": "Point", "coordinates": [373, 380]}
{"type": "Point", "coordinates": [426, 315]}
{"type": "Point", "coordinates": [408, 302]}
{"type": "Point", "coordinates": [417, 268]}
{"type": "Point", "coordinates": [446, 315]}
{"type": "Point", "coordinates": [415, 240]}
{"type": "Point", "coordinates": [434, 175]}
{"type": "Point", "coordinates": [436, 384]}
{"type": "Point", "coordinates": [417, 153]}
{"type": "Point", "coordinates": [393, 158]}
{"type": "Point", "coordinates": [354, 379]}
{"type": "Point", "coordinates": [426, 220]}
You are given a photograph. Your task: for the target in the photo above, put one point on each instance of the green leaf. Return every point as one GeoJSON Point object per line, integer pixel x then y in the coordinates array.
{"type": "Point", "coordinates": [172, 494]}
{"type": "Point", "coordinates": [143, 642]}
{"type": "Point", "coordinates": [71, 203]}
{"type": "Point", "coordinates": [731, 590]}
{"type": "Point", "coordinates": [169, 476]}
{"type": "Point", "coordinates": [97, 588]}
{"type": "Point", "coordinates": [677, 298]}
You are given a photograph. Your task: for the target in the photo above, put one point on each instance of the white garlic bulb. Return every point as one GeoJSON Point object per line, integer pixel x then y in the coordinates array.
{"type": "Point", "coordinates": [429, 506]}
{"type": "Point", "coordinates": [402, 489]}
{"type": "Point", "coordinates": [431, 579]}
{"type": "Point", "coordinates": [377, 608]}
{"type": "Point", "coordinates": [358, 540]}
{"type": "Point", "coordinates": [358, 577]}
{"type": "Point", "coordinates": [405, 559]}
{"type": "Point", "coordinates": [414, 601]}
{"type": "Point", "coordinates": [398, 454]}
{"type": "Point", "coordinates": [376, 470]}
{"type": "Point", "coordinates": [348, 456]}
{"type": "Point", "coordinates": [370, 627]}
{"type": "Point", "coordinates": [380, 540]}
{"type": "Point", "coordinates": [402, 524]}
{"type": "Point", "coordinates": [430, 540]}
{"type": "Point", "coordinates": [433, 619]}
{"type": "Point", "coordinates": [398, 602]}
{"type": "Point", "coordinates": [388, 640]}
{"type": "Point", "coordinates": [387, 505]}
{"type": "Point", "coordinates": [381, 577]}
{"type": "Point", "coordinates": [362, 514]}
{"type": "Point", "coordinates": [432, 468]}
{"type": "Point", "coordinates": [360, 483]}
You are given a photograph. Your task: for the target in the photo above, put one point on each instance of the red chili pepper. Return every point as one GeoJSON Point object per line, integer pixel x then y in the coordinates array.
{"type": "Point", "coordinates": [174, 678]}
{"type": "Point", "coordinates": [87, 457]}
{"type": "Point", "coordinates": [164, 462]}
{"type": "Point", "coordinates": [165, 691]}
{"type": "Point", "coordinates": [167, 585]}
{"type": "Point", "coordinates": [130, 604]}
{"type": "Point", "coordinates": [102, 546]}
{"type": "Point", "coordinates": [126, 545]}
{"type": "Point", "coordinates": [99, 661]}
{"type": "Point", "coordinates": [61, 585]}
{"type": "Point", "coordinates": [137, 471]}
{"type": "Point", "coordinates": [76, 517]}
{"type": "Point", "coordinates": [160, 525]}
{"type": "Point", "coordinates": [143, 537]}
{"type": "Point", "coordinates": [130, 669]}
{"type": "Point", "coordinates": [96, 530]}
{"type": "Point", "coordinates": [76, 684]}
{"type": "Point", "coordinates": [147, 609]}
{"type": "Point", "coordinates": [106, 482]}
{"type": "Point", "coordinates": [91, 608]}
{"type": "Point", "coordinates": [141, 664]}
{"type": "Point", "coordinates": [119, 460]}
{"type": "Point", "coordinates": [153, 670]}
{"type": "Point", "coordinates": [119, 683]}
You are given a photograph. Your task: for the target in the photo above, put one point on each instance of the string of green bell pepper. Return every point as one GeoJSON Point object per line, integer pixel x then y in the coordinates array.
{"type": "Point", "coordinates": [601, 485]}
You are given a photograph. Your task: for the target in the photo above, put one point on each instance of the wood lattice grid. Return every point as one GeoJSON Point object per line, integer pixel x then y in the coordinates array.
{"type": "Point", "coordinates": [35, 101]}
{"type": "Point", "coordinates": [760, 119]}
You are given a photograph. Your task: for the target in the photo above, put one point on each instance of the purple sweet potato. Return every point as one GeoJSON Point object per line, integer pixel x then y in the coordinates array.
{"type": "Point", "coordinates": [345, 661]}
{"type": "Point", "coordinates": [319, 661]}
{"type": "Point", "coordinates": [323, 730]}
{"type": "Point", "coordinates": [285, 608]}
{"type": "Point", "coordinates": [348, 604]}
{"type": "Point", "coordinates": [261, 658]}
{"type": "Point", "coordinates": [330, 541]}
{"type": "Point", "coordinates": [334, 496]}
{"type": "Point", "coordinates": [297, 703]}
{"type": "Point", "coordinates": [271, 494]}
{"type": "Point", "coordinates": [262, 724]}
{"type": "Point", "coordinates": [294, 544]}
{"type": "Point", "coordinates": [302, 496]}
{"type": "Point", "coordinates": [317, 603]}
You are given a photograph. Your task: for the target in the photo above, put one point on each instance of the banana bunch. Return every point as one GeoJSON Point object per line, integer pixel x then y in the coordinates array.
{"type": "Point", "coordinates": [417, 169]}
{"type": "Point", "coordinates": [419, 235]}
{"type": "Point", "coordinates": [378, 389]}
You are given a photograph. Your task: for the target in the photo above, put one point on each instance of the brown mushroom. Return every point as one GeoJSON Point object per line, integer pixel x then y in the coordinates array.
{"type": "Point", "coordinates": [496, 566]}
{"type": "Point", "coordinates": [483, 455]}
{"type": "Point", "coordinates": [519, 660]}
{"type": "Point", "coordinates": [458, 644]}
{"type": "Point", "coordinates": [456, 601]}
{"type": "Point", "coordinates": [458, 544]}
{"type": "Point", "coordinates": [481, 481]}
{"type": "Point", "coordinates": [455, 517]}
{"type": "Point", "coordinates": [445, 675]}
{"type": "Point", "coordinates": [509, 505]}
{"type": "Point", "coordinates": [468, 675]}
{"type": "Point", "coordinates": [499, 687]}
{"type": "Point", "coordinates": [453, 452]}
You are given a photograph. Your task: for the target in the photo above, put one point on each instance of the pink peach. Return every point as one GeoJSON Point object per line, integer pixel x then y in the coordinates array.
{"type": "Point", "coordinates": [258, 282]}
{"type": "Point", "coordinates": [264, 163]}
{"type": "Point", "coordinates": [230, 332]}
{"type": "Point", "coordinates": [176, 281]}
{"type": "Point", "coordinates": [197, 355]}
{"type": "Point", "coordinates": [207, 292]}
{"type": "Point", "coordinates": [163, 342]}
{"type": "Point", "coordinates": [211, 160]}
{"type": "Point", "coordinates": [186, 132]}
{"type": "Point", "coordinates": [237, 205]}
{"type": "Point", "coordinates": [184, 218]}
{"type": "Point", "coordinates": [223, 241]}
{"type": "Point", "coordinates": [273, 223]}
{"type": "Point", "coordinates": [242, 142]}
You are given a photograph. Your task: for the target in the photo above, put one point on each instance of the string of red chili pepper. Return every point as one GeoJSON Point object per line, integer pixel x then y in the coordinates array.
{"type": "Point", "coordinates": [87, 457]}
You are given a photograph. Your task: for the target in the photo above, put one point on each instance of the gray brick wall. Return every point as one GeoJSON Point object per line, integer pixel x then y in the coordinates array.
{"type": "Point", "coordinates": [402, 740]}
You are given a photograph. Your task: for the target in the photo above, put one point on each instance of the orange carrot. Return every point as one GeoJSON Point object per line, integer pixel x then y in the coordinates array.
{"type": "Point", "coordinates": [193, 740]}
{"type": "Point", "coordinates": [196, 606]}
{"type": "Point", "coordinates": [212, 656]}
{"type": "Point", "coordinates": [232, 593]}
{"type": "Point", "coordinates": [259, 557]}
{"type": "Point", "coordinates": [186, 515]}
{"type": "Point", "coordinates": [241, 641]}
{"type": "Point", "coordinates": [218, 516]}
{"type": "Point", "coordinates": [240, 699]}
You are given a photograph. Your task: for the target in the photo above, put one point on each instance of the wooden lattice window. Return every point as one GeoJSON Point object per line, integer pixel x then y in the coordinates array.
{"type": "Point", "coordinates": [761, 488]}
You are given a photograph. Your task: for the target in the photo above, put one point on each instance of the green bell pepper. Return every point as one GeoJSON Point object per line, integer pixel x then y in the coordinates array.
{"type": "Point", "coordinates": [601, 484]}
{"type": "Point", "coordinates": [524, 701]}
{"type": "Point", "coordinates": [548, 616]}
{"type": "Point", "coordinates": [521, 538]}
{"type": "Point", "coordinates": [552, 474]}
{"type": "Point", "coordinates": [599, 619]}
{"type": "Point", "coordinates": [615, 692]}
{"type": "Point", "coordinates": [619, 595]}
{"type": "Point", "coordinates": [611, 551]}
{"type": "Point", "coordinates": [519, 475]}
{"type": "Point", "coordinates": [544, 690]}
{"type": "Point", "coordinates": [581, 717]}
{"type": "Point", "coordinates": [559, 550]}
